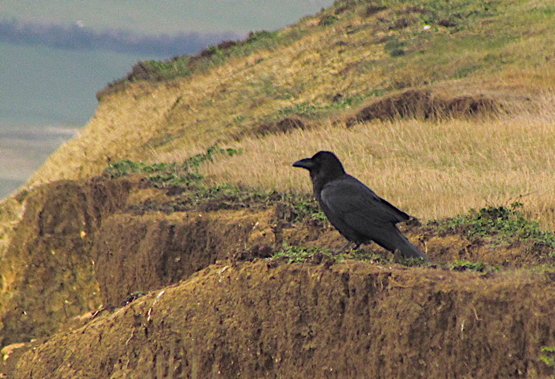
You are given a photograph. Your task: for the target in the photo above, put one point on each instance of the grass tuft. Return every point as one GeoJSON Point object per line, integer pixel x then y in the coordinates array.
{"type": "Point", "coordinates": [463, 265]}
{"type": "Point", "coordinates": [548, 356]}
{"type": "Point", "coordinates": [502, 224]}
{"type": "Point", "coordinates": [168, 174]}
{"type": "Point", "coordinates": [292, 254]}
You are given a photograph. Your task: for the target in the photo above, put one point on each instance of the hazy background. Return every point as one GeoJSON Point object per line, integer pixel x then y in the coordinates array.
{"type": "Point", "coordinates": [56, 54]}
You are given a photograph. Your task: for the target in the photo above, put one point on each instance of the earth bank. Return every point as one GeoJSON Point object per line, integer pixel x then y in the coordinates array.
{"type": "Point", "coordinates": [349, 320]}
{"type": "Point", "coordinates": [99, 244]}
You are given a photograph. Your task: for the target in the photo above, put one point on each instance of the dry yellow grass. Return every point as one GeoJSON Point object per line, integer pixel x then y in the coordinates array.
{"type": "Point", "coordinates": [187, 115]}
{"type": "Point", "coordinates": [430, 169]}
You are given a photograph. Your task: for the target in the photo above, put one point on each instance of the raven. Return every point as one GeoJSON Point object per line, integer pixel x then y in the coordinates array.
{"type": "Point", "coordinates": [355, 210]}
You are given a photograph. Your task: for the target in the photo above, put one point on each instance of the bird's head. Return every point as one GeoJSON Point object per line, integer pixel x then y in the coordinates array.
{"type": "Point", "coordinates": [323, 163]}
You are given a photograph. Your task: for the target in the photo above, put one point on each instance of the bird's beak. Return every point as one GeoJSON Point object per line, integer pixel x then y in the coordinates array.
{"type": "Point", "coordinates": [304, 163]}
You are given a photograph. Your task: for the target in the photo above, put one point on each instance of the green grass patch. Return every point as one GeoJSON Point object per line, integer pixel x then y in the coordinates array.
{"type": "Point", "coordinates": [464, 265]}
{"type": "Point", "coordinates": [196, 195]}
{"type": "Point", "coordinates": [292, 254]}
{"type": "Point", "coordinates": [295, 206]}
{"type": "Point", "coordinates": [304, 206]}
{"type": "Point", "coordinates": [548, 356]}
{"type": "Point", "coordinates": [313, 112]}
{"type": "Point", "coordinates": [328, 19]}
{"type": "Point", "coordinates": [304, 109]}
{"type": "Point", "coordinates": [168, 174]}
{"type": "Point", "coordinates": [212, 56]}
{"type": "Point", "coordinates": [500, 224]}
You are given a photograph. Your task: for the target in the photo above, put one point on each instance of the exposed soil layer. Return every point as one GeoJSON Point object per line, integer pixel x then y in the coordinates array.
{"type": "Point", "coordinates": [142, 253]}
{"type": "Point", "coordinates": [100, 244]}
{"type": "Point", "coordinates": [348, 320]}
{"type": "Point", "coordinates": [47, 270]}
{"type": "Point", "coordinates": [423, 104]}
{"type": "Point", "coordinates": [282, 126]}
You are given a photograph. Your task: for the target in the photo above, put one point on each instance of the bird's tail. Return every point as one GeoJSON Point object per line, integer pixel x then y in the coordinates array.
{"type": "Point", "coordinates": [396, 241]}
{"type": "Point", "coordinates": [408, 250]}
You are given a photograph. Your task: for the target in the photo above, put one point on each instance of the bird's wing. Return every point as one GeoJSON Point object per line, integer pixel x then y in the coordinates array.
{"type": "Point", "coordinates": [355, 203]}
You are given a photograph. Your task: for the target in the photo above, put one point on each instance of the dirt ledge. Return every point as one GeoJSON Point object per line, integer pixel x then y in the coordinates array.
{"type": "Point", "coordinates": [348, 320]}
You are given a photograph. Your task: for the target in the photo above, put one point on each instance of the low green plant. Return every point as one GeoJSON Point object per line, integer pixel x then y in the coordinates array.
{"type": "Point", "coordinates": [232, 196]}
{"type": "Point", "coordinates": [228, 196]}
{"type": "Point", "coordinates": [549, 356]}
{"type": "Point", "coordinates": [168, 174]}
{"type": "Point", "coordinates": [292, 254]}
{"type": "Point", "coordinates": [411, 262]}
{"type": "Point", "coordinates": [328, 20]}
{"type": "Point", "coordinates": [194, 162]}
{"type": "Point", "coordinates": [362, 254]}
{"type": "Point", "coordinates": [347, 102]}
{"type": "Point", "coordinates": [463, 265]}
{"type": "Point", "coordinates": [394, 44]}
{"type": "Point", "coordinates": [304, 108]}
{"type": "Point", "coordinates": [123, 167]}
{"type": "Point", "coordinates": [261, 36]}
{"type": "Point", "coordinates": [502, 223]}
{"type": "Point", "coordinates": [212, 56]}
{"type": "Point", "coordinates": [313, 112]}
{"type": "Point", "coordinates": [307, 207]}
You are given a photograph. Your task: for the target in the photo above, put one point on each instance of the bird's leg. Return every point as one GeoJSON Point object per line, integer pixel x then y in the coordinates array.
{"type": "Point", "coordinates": [397, 256]}
{"type": "Point", "coordinates": [342, 248]}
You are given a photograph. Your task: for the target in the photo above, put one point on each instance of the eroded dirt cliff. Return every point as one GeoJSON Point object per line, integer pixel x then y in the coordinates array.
{"type": "Point", "coordinates": [47, 270]}
{"type": "Point", "coordinates": [98, 245]}
{"type": "Point", "coordinates": [348, 320]}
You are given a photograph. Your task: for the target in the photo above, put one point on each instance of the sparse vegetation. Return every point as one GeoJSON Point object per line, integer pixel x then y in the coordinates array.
{"type": "Point", "coordinates": [272, 99]}
{"type": "Point", "coordinates": [463, 265]}
{"type": "Point", "coordinates": [212, 56]}
{"type": "Point", "coordinates": [548, 356]}
{"type": "Point", "coordinates": [328, 19]}
{"type": "Point", "coordinates": [307, 206]}
{"type": "Point", "coordinates": [291, 254]}
{"type": "Point", "coordinates": [166, 174]}
{"type": "Point", "coordinates": [502, 224]}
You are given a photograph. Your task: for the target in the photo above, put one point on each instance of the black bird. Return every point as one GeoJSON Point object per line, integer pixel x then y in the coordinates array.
{"type": "Point", "coordinates": [355, 210]}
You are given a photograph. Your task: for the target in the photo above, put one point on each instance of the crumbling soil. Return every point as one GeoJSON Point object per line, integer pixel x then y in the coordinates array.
{"type": "Point", "coordinates": [98, 245]}
{"type": "Point", "coordinates": [47, 272]}
{"type": "Point", "coordinates": [152, 251]}
{"type": "Point", "coordinates": [348, 320]}
{"type": "Point", "coordinates": [276, 127]}
{"type": "Point", "coordinates": [422, 104]}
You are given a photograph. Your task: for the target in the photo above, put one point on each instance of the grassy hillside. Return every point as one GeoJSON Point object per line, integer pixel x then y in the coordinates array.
{"type": "Point", "coordinates": [323, 70]}
{"type": "Point", "coordinates": [441, 107]}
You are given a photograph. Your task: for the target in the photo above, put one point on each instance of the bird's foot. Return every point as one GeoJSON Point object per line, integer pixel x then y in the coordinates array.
{"type": "Point", "coordinates": [345, 248]}
{"type": "Point", "coordinates": [342, 248]}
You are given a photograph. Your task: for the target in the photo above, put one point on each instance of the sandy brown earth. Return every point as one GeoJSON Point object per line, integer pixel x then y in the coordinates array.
{"type": "Point", "coordinates": [214, 305]}
{"type": "Point", "coordinates": [348, 320]}
{"type": "Point", "coordinates": [120, 278]}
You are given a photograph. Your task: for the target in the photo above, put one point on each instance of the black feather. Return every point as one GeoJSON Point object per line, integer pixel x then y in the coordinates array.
{"type": "Point", "coordinates": [355, 210]}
